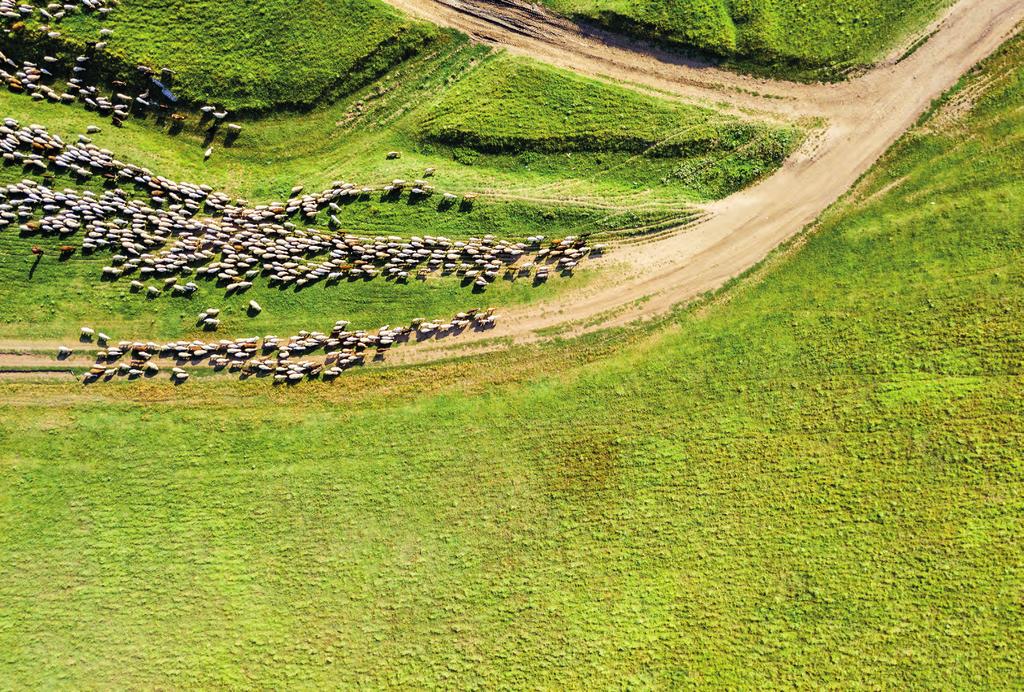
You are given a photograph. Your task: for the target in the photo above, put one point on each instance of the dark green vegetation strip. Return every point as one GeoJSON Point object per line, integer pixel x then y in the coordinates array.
{"type": "Point", "coordinates": [808, 39]}
{"type": "Point", "coordinates": [815, 482]}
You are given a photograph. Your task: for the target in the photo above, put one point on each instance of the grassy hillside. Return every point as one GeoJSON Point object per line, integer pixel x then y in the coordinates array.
{"type": "Point", "coordinates": [814, 38]}
{"type": "Point", "coordinates": [349, 138]}
{"type": "Point", "coordinates": [814, 480]}
{"type": "Point", "coordinates": [274, 53]}
{"type": "Point", "coordinates": [510, 105]}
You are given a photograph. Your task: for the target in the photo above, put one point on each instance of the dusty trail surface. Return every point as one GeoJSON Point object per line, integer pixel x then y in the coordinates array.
{"type": "Point", "coordinates": [527, 29]}
{"type": "Point", "coordinates": [863, 118]}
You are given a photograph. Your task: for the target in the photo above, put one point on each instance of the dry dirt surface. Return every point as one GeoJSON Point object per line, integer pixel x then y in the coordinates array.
{"type": "Point", "coordinates": [527, 29]}
{"type": "Point", "coordinates": [861, 119]}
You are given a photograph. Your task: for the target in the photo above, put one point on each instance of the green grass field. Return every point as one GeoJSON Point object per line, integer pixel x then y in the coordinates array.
{"type": "Point", "coordinates": [809, 40]}
{"type": "Point", "coordinates": [814, 479]}
{"type": "Point", "coordinates": [510, 105]}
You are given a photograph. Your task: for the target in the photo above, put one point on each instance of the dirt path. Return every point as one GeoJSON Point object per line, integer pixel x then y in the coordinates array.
{"type": "Point", "coordinates": [527, 29]}
{"type": "Point", "coordinates": [864, 117]}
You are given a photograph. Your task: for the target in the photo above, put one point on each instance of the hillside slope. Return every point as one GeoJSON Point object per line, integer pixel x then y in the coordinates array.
{"type": "Point", "coordinates": [291, 53]}
{"type": "Point", "coordinates": [809, 39]}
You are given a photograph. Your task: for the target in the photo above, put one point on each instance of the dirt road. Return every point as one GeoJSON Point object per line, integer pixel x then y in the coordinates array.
{"type": "Point", "coordinates": [864, 116]}
{"type": "Point", "coordinates": [527, 29]}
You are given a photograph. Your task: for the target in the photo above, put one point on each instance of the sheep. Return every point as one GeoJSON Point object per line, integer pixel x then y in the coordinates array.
{"type": "Point", "coordinates": [166, 239]}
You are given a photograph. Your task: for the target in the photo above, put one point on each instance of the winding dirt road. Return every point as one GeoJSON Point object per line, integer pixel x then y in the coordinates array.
{"type": "Point", "coordinates": [863, 118]}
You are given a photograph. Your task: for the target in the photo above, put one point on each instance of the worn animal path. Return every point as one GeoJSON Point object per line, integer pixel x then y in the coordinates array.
{"type": "Point", "coordinates": [863, 117]}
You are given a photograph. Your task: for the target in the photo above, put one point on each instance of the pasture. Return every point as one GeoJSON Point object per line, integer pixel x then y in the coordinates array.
{"type": "Point", "coordinates": [810, 479]}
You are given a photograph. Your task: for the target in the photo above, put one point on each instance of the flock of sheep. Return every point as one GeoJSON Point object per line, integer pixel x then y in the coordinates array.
{"type": "Point", "coordinates": [167, 231]}
{"type": "Point", "coordinates": [151, 93]}
{"type": "Point", "coordinates": [159, 231]}
{"type": "Point", "coordinates": [172, 229]}
{"type": "Point", "coordinates": [281, 359]}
